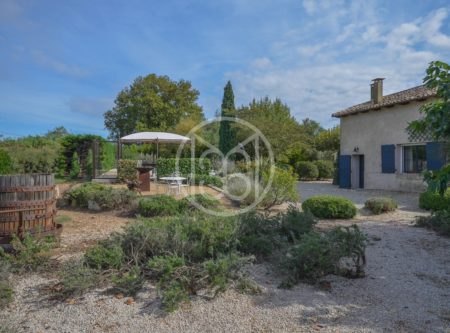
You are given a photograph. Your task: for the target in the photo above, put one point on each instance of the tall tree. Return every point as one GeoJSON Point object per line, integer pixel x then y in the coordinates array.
{"type": "Point", "coordinates": [436, 120]}
{"type": "Point", "coordinates": [152, 103]}
{"type": "Point", "coordinates": [274, 120]}
{"type": "Point", "coordinates": [227, 135]}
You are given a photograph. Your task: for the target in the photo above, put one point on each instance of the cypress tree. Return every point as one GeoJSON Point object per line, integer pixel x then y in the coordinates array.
{"type": "Point", "coordinates": [227, 135]}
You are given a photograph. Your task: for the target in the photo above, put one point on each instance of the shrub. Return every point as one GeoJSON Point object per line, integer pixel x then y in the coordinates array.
{"type": "Point", "coordinates": [438, 221]}
{"type": "Point", "coordinates": [6, 163]}
{"type": "Point", "coordinates": [242, 188]}
{"type": "Point", "coordinates": [159, 205]}
{"type": "Point", "coordinates": [295, 223]}
{"type": "Point", "coordinates": [330, 207]}
{"type": "Point", "coordinates": [283, 188]}
{"type": "Point", "coordinates": [99, 197]}
{"type": "Point", "coordinates": [75, 168]}
{"type": "Point", "coordinates": [339, 251]}
{"type": "Point", "coordinates": [381, 205]}
{"type": "Point", "coordinates": [29, 253]}
{"type": "Point", "coordinates": [205, 200]}
{"type": "Point", "coordinates": [325, 168]}
{"type": "Point", "coordinates": [258, 234]}
{"type": "Point", "coordinates": [430, 200]}
{"type": "Point", "coordinates": [208, 180]}
{"type": "Point", "coordinates": [75, 279]}
{"type": "Point", "coordinates": [129, 282]}
{"type": "Point", "coordinates": [105, 256]}
{"type": "Point", "coordinates": [181, 254]}
{"type": "Point", "coordinates": [186, 166]}
{"type": "Point", "coordinates": [306, 170]}
{"type": "Point", "coordinates": [126, 171]}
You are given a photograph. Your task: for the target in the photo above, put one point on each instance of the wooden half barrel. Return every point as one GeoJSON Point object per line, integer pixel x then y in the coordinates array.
{"type": "Point", "coordinates": [27, 205]}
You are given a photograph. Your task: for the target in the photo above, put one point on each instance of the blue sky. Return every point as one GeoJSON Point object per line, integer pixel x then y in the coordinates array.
{"type": "Point", "coordinates": [63, 62]}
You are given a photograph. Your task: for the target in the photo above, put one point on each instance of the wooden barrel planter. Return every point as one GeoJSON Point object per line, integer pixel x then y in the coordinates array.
{"type": "Point", "coordinates": [27, 206]}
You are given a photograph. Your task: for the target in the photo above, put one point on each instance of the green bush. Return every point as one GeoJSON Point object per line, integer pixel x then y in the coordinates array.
{"type": "Point", "coordinates": [159, 205]}
{"type": "Point", "coordinates": [181, 254]}
{"type": "Point", "coordinates": [6, 163]}
{"type": "Point", "coordinates": [208, 180]}
{"type": "Point", "coordinates": [325, 168]}
{"type": "Point", "coordinates": [340, 251]}
{"type": "Point", "coordinates": [282, 189]}
{"type": "Point", "coordinates": [295, 223]}
{"type": "Point", "coordinates": [99, 196]}
{"type": "Point", "coordinates": [105, 256]}
{"type": "Point", "coordinates": [75, 168]}
{"type": "Point", "coordinates": [126, 171]}
{"type": "Point", "coordinates": [381, 205]}
{"type": "Point", "coordinates": [306, 170]}
{"type": "Point", "coordinates": [75, 278]}
{"type": "Point", "coordinates": [205, 200]}
{"type": "Point", "coordinates": [438, 221]}
{"type": "Point", "coordinates": [128, 282]}
{"type": "Point", "coordinates": [330, 207]}
{"type": "Point", "coordinates": [167, 166]}
{"type": "Point", "coordinates": [258, 234]}
{"type": "Point", "coordinates": [28, 254]}
{"type": "Point", "coordinates": [430, 200]}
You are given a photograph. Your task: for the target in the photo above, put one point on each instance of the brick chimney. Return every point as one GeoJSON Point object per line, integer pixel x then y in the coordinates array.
{"type": "Point", "coordinates": [376, 90]}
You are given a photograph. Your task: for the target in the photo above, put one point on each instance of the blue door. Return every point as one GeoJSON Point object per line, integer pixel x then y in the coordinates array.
{"type": "Point", "coordinates": [345, 167]}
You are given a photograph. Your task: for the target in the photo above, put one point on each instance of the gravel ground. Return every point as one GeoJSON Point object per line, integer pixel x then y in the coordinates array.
{"type": "Point", "coordinates": [407, 201]}
{"type": "Point", "coordinates": [407, 289]}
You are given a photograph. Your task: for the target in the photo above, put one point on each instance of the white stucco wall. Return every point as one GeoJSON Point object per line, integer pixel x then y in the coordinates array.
{"type": "Point", "coordinates": [369, 131]}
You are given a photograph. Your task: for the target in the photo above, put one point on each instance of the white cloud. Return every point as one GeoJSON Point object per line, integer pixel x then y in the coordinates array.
{"type": "Point", "coordinates": [261, 63]}
{"type": "Point", "coordinates": [58, 66]}
{"type": "Point", "coordinates": [317, 77]}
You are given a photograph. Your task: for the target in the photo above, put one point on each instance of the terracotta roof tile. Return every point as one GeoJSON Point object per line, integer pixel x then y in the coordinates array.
{"type": "Point", "coordinates": [413, 94]}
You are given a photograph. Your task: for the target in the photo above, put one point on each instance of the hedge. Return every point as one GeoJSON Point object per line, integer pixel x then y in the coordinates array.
{"type": "Point", "coordinates": [167, 166]}
{"type": "Point", "coordinates": [330, 207]}
{"type": "Point", "coordinates": [325, 168]}
{"type": "Point", "coordinates": [306, 170]}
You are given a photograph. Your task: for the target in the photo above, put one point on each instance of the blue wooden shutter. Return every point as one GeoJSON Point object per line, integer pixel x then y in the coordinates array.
{"type": "Point", "coordinates": [388, 158]}
{"type": "Point", "coordinates": [435, 155]}
{"type": "Point", "coordinates": [345, 162]}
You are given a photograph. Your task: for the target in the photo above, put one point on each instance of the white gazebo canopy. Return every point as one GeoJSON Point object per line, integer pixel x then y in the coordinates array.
{"type": "Point", "coordinates": [159, 137]}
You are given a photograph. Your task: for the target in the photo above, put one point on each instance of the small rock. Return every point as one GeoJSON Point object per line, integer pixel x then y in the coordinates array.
{"type": "Point", "coordinates": [129, 301]}
{"type": "Point", "coordinates": [71, 301]}
{"type": "Point", "coordinates": [119, 296]}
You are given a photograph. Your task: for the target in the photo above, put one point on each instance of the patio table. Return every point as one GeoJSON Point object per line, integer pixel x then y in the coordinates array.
{"type": "Point", "coordinates": [173, 179]}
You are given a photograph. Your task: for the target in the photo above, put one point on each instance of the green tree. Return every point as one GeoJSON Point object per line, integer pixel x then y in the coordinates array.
{"type": "Point", "coordinates": [436, 119]}
{"type": "Point", "coordinates": [328, 140]}
{"type": "Point", "coordinates": [274, 120]}
{"type": "Point", "coordinates": [57, 133]}
{"type": "Point", "coordinates": [227, 135]}
{"type": "Point", "coordinates": [152, 103]}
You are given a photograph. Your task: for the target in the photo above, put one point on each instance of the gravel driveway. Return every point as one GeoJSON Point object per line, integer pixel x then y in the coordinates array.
{"type": "Point", "coordinates": [407, 201]}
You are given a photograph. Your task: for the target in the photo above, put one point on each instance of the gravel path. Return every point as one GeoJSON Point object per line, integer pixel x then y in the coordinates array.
{"type": "Point", "coordinates": [407, 289]}
{"type": "Point", "coordinates": [407, 201]}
